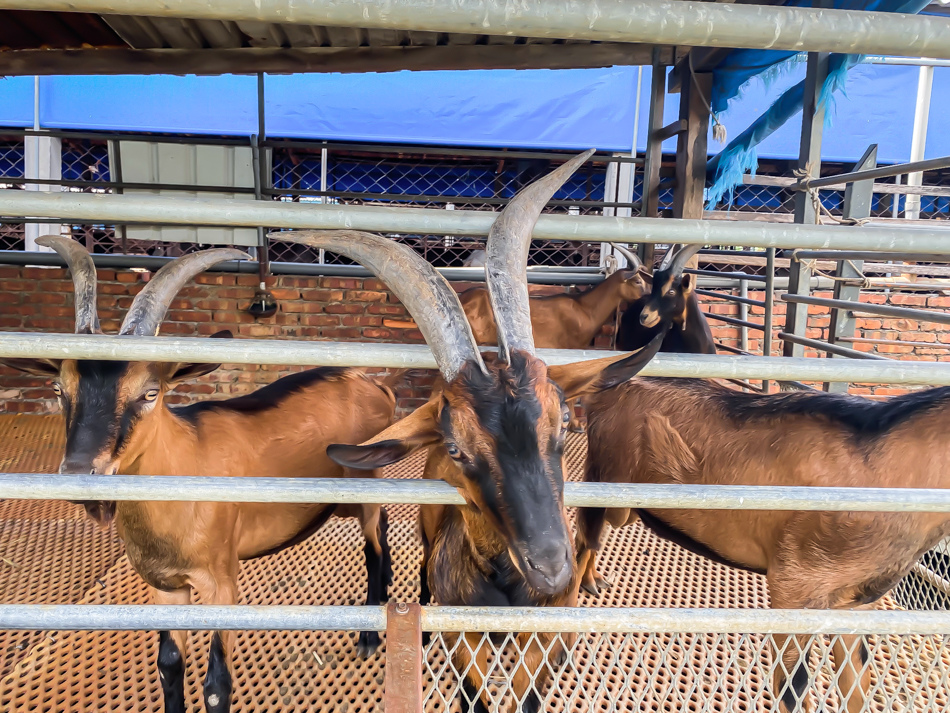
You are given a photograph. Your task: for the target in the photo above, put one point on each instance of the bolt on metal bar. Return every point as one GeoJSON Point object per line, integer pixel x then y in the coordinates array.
{"type": "Point", "coordinates": [931, 164]}
{"type": "Point", "coordinates": [830, 348]}
{"type": "Point", "coordinates": [38, 345]}
{"type": "Point", "coordinates": [924, 315]}
{"type": "Point", "coordinates": [105, 208]}
{"type": "Point", "coordinates": [117, 617]}
{"type": "Point", "coordinates": [659, 22]}
{"type": "Point", "coordinates": [175, 488]}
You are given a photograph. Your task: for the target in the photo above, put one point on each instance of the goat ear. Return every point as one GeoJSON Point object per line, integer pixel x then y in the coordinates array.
{"type": "Point", "coordinates": [176, 373]}
{"type": "Point", "coordinates": [37, 367]}
{"type": "Point", "coordinates": [395, 443]}
{"type": "Point", "coordinates": [223, 334]}
{"type": "Point", "coordinates": [688, 282]}
{"type": "Point", "coordinates": [599, 374]}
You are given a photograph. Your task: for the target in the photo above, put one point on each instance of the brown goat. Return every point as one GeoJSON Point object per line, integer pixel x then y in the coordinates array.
{"type": "Point", "coordinates": [699, 432]}
{"type": "Point", "coordinates": [560, 321]}
{"type": "Point", "coordinates": [117, 422]}
{"type": "Point", "coordinates": [494, 430]}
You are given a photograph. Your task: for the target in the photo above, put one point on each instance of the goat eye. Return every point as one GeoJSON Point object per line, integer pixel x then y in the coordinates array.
{"type": "Point", "coordinates": [150, 395]}
{"type": "Point", "coordinates": [57, 389]}
{"type": "Point", "coordinates": [672, 293]}
{"type": "Point", "coordinates": [453, 451]}
{"type": "Point", "coordinates": [565, 417]}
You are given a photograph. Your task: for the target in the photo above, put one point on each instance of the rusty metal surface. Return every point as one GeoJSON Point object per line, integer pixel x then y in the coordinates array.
{"type": "Point", "coordinates": [60, 557]}
{"type": "Point", "coordinates": [403, 664]}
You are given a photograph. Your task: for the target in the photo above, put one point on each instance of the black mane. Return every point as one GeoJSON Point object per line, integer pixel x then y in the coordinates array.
{"type": "Point", "coordinates": [862, 416]}
{"type": "Point", "coordinates": [268, 397]}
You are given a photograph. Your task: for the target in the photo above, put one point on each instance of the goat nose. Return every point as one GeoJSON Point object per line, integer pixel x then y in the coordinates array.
{"type": "Point", "coordinates": [76, 467]}
{"type": "Point", "coordinates": [550, 570]}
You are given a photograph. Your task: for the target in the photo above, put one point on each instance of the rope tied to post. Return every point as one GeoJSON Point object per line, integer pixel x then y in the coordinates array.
{"type": "Point", "coordinates": [861, 278]}
{"type": "Point", "coordinates": [803, 174]}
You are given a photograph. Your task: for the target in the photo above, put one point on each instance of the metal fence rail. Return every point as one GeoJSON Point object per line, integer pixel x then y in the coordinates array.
{"type": "Point", "coordinates": [421, 221]}
{"type": "Point", "coordinates": [417, 356]}
{"type": "Point", "coordinates": [44, 486]}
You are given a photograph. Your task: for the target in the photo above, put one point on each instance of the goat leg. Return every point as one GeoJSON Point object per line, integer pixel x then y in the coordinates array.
{"type": "Point", "coordinates": [577, 424]}
{"type": "Point", "coordinates": [790, 679]}
{"type": "Point", "coordinates": [590, 527]}
{"type": "Point", "coordinates": [471, 656]}
{"type": "Point", "coordinates": [852, 663]}
{"type": "Point", "coordinates": [378, 569]}
{"type": "Point", "coordinates": [172, 650]}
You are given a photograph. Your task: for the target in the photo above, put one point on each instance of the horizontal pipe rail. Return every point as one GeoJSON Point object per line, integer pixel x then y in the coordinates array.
{"type": "Point", "coordinates": [106, 208]}
{"type": "Point", "coordinates": [660, 22]}
{"type": "Point", "coordinates": [897, 169]}
{"type": "Point", "coordinates": [734, 320]}
{"type": "Point", "coordinates": [924, 315]}
{"type": "Point", "coordinates": [349, 491]}
{"type": "Point", "coordinates": [829, 348]}
{"type": "Point", "coordinates": [731, 298]}
{"type": "Point", "coordinates": [191, 617]}
{"type": "Point", "coordinates": [865, 255]}
{"type": "Point", "coordinates": [39, 345]}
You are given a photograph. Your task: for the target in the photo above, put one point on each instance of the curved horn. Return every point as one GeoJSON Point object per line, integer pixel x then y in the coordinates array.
{"type": "Point", "coordinates": [83, 271]}
{"type": "Point", "coordinates": [150, 305]}
{"type": "Point", "coordinates": [427, 295]}
{"type": "Point", "coordinates": [632, 260]}
{"type": "Point", "coordinates": [682, 256]}
{"type": "Point", "coordinates": [507, 261]}
{"type": "Point", "coordinates": [669, 255]}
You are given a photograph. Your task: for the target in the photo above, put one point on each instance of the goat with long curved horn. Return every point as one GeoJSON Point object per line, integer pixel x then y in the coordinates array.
{"type": "Point", "coordinates": [507, 261]}
{"type": "Point", "coordinates": [83, 271]}
{"type": "Point", "coordinates": [148, 309]}
{"type": "Point", "coordinates": [633, 262]}
{"type": "Point", "coordinates": [427, 295]}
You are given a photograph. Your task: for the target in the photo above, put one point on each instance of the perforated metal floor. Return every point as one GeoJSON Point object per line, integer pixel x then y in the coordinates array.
{"type": "Point", "coordinates": [49, 553]}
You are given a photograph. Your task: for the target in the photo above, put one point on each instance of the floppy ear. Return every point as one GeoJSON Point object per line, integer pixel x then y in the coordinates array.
{"type": "Point", "coordinates": [416, 430]}
{"type": "Point", "coordinates": [37, 367]}
{"type": "Point", "coordinates": [586, 377]}
{"type": "Point", "coordinates": [184, 371]}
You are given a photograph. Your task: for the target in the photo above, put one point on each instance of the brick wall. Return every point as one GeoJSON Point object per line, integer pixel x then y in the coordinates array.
{"type": "Point", "coordinates": [330, 308]}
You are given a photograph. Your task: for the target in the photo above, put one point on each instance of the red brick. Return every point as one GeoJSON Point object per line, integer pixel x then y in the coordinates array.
{"type": "Point", "coordinates": [339, 282]}
{"type": "Point", "coordinates": [322, 295]}
{"type": "Point", "coordinates": [319, 320]}
{"type": "Point", "coordinates": [343, 308]}
{"type": "Point", "coordinates": [362, 321]}
{"type": "Point", "coordinates": [188, 316]}
{"type": "Point", "coordinates": [44, 273]}
{"type": "Point", "coordinates": [350, 333]}
{"type": "Point", "coordinates": [9, 271]}
{"type": "Point", "coordinates": [366, 296]}
{"type": "Point", "coordinates": [304, 307]}
{"type": "Point", "coordinates": [386, 309]}
{"type": "Point", "coordinates": [248, 280]}
{"type": "Point", "coordinates": [215, 278]}
{"type": "Point", "coordinates": [894, 348]}
{"type": "Point", "coordinates": [50, 311]}
{"type": "Point", "coordinates": [874, 298]}
{"type": "Point", "coordinates": [127, 277]}
{"type": "Point", "coordinates": [49, 298]}
{"type": "Point", "coordinates": [214, 304]}
{"type": "Point", "coordinates": [908, 300]}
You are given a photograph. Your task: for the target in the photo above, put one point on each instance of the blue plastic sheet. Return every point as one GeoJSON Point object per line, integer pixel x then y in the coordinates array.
{"type": "Point", "coordinates": [16, 101]}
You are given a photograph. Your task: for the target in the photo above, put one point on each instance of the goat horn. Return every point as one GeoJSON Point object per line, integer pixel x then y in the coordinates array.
{"type": "Point", "coordinates": [507, 261]}
{"type": "Point", "coordinates": [668, 257]}
{"type": "Point", "coordinates": [682, 256]}
{"type": "Point", "coordinates": [83, 271]}
{"type": "Point", "coordinates": [427, 295]}
{"type": "Point", "coordinates": [150, 305]}
{"type": "Point", "coordinates": [632, 259]}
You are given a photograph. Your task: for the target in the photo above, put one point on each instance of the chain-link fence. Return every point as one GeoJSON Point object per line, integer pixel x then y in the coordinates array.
{"type": "Point", "coordinates": [612, 672]}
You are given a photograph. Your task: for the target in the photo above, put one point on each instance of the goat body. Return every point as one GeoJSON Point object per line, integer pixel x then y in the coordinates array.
{"type": "Point", "coordinates": [698, 432]}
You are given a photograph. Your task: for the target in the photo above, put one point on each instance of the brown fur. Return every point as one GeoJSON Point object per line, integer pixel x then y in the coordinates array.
{"type": "Point", "coordinates": [662, 431]}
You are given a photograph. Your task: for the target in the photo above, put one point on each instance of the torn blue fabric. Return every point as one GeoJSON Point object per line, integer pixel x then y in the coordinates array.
{"type": "Point", "coordinates": [740, 66]}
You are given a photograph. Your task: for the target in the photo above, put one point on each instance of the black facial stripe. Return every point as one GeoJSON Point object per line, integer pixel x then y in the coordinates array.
{"type": "Point", "coordinates": [93, 417]}
{"type": "Point", "coordinates": [126, 423]}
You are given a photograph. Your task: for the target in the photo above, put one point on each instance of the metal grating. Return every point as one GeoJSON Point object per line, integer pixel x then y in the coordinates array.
{"type": "Point", "coordinates": [60, 557]}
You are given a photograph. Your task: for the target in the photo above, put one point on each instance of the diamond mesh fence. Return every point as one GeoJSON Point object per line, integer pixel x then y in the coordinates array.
{"type": "Point", "coordinates": [694, 672]}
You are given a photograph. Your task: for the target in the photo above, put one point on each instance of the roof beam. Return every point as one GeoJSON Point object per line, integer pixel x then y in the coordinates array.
{"type": "Point", "coordinates": [321, 59]}
{"type": "Point", "coordinates": [667, 22]}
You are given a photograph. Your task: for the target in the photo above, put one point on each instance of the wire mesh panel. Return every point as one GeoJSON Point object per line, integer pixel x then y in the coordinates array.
{"type": "Point", "coordinates": [687, 672]}
{"type": "Point", "coordinates": [11, 166]}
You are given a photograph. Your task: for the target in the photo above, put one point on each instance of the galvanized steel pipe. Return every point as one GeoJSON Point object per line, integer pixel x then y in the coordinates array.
{"type": "Point", "coordinates": [161, 210]}
{"type": "Point", "coordinates": [175, 488]}
{"type": "Point", "coordinates": [661, 22]}
{"type": "Point", "coordinates": [70, 617]}
{"type": "Point", "coordinates": [418, 356]}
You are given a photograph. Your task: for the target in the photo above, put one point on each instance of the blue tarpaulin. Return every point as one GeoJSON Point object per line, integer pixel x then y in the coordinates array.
{"type": "Point", "coordinates": [566, 109]}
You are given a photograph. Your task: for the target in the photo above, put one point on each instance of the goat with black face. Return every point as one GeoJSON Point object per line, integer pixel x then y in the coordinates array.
{"type": "Point", "coordinates": [495, 430]}
{"type": "Point", "coordinates": [671, 305]}
{"type": "Point", "coordinates": [117, 421]}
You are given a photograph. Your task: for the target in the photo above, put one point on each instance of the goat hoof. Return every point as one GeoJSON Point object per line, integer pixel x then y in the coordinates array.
{"type": "Point", "coordinates": [591, 588]}
{"type": "Point", "coordinates": [560, 658]}
{"type": "Point", "coordinates": [577, 428]}
{"type": "Point", "coordinates": [367, 644]}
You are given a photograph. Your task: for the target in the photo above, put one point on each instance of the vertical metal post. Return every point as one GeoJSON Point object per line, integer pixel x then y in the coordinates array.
{"type": "Point", "coordinates": [813, 119]}
{"type": "Point", "coordinates": [691, 151]}
{"type": "Point", "coordinates": [918, 142]}
{"type": "Point", "coordinates": [857, 204]}
{"type": "Point", "coordinates": [769, 306]}
{"type": "Point", "coordinates": [260, 180]}
{"type": "Point", "coordinates": [653, 157]}
{"type": "Point", "coordinates": [744, 315]}
{"type": "Point", "coordinates": [403, 658]}
{"type": "Point", "coordinates": [42, 160]}
{"type": "Point", "coordinates": [324, 160]}
{"type": "Point", "coordinates": [115, 171]}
